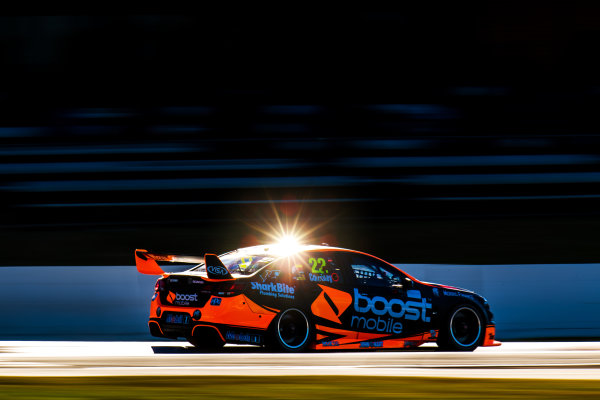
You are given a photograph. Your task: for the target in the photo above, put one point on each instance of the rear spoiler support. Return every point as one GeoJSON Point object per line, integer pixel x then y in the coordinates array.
{"type": "Point", "coordinates": [146, 263]}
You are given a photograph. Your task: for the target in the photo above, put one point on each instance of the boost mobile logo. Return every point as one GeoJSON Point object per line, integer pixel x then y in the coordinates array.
{"type": "Point", "coordinates": [331, 304]}
{"type": "Point", "coordinates": [396, 308]}
{"type": "Point", "coordinates": [181, 298]}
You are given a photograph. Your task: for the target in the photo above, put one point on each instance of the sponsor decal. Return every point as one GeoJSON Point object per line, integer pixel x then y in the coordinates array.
{"type": "Point", "coordinates": [270, 274]}
{"type": "Point", "coordinates": [331, 303]}
{"type": "Point", "coordinates": [159, 257]}
{"type": "Point", "coordinates": [332, 343]}
{"type": "Point", "coordinates": [458, 294]}
{"type": "Point", "coordinates": [172, 318]}
{"type": "Point", "coordinates": [390, 310]}
{"type": "Point", "coordinates": [370, 345]}
{"type": "Point", "coordinates": [318, 265]}
{"type": "Point", "coordinates": [171, 297]}
{"type": "Point", "coordinates": [386, 325]}
{"type": "Point", "coordinates": [217, 270]}
{"type": "Point", "coordinates": [215, 301]}
{"type": "Point", "coordinates": [323, 277]}
{"type": "Point", "coordinates": [433, 334]}
{"type": "Point", "coordinates": [243, 337]}
{"type": "Point", "coordinates": [279, 290]}
{"type": "Point", "coordinates": [182, 299]}
{"type": "Point", "coordinates": [436, 291]}
{"type": "Point", "coordinates": [195, 282]}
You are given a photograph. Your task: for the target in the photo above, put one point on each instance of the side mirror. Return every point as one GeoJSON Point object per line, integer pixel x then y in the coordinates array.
{"type": "Point", "coordinates": [397, 288]}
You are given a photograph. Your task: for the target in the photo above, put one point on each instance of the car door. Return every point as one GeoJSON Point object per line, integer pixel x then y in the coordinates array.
{"type": "Point", "coordinates": [328, 281]}
{"type": "Point", "coordinates": [385, 304]}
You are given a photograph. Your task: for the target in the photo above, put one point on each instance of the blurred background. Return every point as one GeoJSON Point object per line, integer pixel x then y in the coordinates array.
{"type": "Point", "coordinates": [426, 134]}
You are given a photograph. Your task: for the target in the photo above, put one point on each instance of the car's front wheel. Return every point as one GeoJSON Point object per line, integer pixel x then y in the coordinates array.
{"type": "Point", "coordinates": [292, 331]}
{"type": "Point", "coordinates": [462, 330]}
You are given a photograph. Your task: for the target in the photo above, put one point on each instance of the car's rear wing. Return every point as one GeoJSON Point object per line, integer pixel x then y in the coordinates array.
{"type": "Point", "coordinates": [146, 263]}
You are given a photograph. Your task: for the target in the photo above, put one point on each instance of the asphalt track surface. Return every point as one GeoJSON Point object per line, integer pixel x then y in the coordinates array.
{"type": "Point", "coordinates": [532, 360]}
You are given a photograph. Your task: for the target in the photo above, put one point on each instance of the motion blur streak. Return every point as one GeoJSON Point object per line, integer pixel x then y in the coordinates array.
{"type": "Point", "coordinates": [453, 134]}
{"type": "Point", "coordinates": [529, 360]}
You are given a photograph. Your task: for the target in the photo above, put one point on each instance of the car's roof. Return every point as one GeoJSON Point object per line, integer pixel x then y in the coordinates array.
{"type": "Point", "coordinates": [278, 248]}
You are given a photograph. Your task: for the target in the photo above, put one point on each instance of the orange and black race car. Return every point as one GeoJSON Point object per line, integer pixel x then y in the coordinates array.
{"type": "Point", "coordinates": [310, 297]}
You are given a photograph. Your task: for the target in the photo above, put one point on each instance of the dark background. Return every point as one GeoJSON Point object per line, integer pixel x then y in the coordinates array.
{"type": "Point", "coordinates": [452, 134]}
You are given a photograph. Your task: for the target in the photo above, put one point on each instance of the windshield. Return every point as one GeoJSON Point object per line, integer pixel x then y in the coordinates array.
{"type": "Point", "coordinates": [245, 261]}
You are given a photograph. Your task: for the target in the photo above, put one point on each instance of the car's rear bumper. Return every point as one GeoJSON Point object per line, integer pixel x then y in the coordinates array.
{"type": "Point", "coordinates": [230, 320]}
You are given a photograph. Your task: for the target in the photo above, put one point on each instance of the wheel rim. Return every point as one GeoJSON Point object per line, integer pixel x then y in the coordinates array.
{"type": "Point", "coordinates": [293, 328]}
{"type": "Point", "coordinates": [465, 327]}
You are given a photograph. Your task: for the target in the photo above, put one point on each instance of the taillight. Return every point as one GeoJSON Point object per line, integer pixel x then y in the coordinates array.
{"type": "Point", "coordinates": [159, 285]}
{"type": "Point", "coordinates": [230, 289]}
{"type": "Point", "coordinates": [236, 288]}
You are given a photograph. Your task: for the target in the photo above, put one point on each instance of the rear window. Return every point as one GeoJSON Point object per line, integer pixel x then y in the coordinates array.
{"type": "Point", "coordinates": [246, 264]}
{"type": "Point", "coordinates": [245, 261]}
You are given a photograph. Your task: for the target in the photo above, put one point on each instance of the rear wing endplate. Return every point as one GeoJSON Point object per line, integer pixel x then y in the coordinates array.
{"type": "Point", "coordinates": [146, 263]}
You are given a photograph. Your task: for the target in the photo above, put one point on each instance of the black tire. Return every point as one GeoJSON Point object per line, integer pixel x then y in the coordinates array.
{"type": "Point", "coordinates": [206, 343]}
{"type": "Point", "coordinates": [462, 329]}
{"type": "Point", "coordinates": [292, 331]}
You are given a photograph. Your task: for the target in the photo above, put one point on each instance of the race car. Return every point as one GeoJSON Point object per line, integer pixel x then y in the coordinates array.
{"type": "Point", "coordinates": [309, 297]}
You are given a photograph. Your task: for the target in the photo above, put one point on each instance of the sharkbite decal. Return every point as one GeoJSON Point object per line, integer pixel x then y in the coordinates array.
{"type": "Point", "coordinates": [279, 290]}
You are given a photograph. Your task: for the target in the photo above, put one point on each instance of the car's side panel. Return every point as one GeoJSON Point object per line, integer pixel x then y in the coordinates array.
{"type": "Point", "coordinates": [237, 311]}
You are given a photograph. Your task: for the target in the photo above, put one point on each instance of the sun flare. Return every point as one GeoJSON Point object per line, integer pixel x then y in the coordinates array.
{"type": "Point", "coordinates": [288, 244]}
{"type": "Point", "coordinates": [289, 231]}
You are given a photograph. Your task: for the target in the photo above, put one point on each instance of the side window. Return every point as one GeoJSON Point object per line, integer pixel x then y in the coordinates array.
{"type": "Point", "coordinates": [391, 274]}
{"type": "Point", "coordinates": [372, 272]}
{"type": "Point", "coordinates": [277, 272]}
{"type": "Point", "coordinates": [245, 264]}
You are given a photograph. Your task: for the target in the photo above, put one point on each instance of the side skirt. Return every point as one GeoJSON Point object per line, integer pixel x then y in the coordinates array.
{"type": "Point", "coordinates": [381, 343]}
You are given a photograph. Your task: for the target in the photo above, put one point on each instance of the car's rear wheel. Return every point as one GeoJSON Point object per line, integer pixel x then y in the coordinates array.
{"type": "Point", "coordinates": [206, 339]}
{"type": "Point", "coordinates": [462, 330]}
{"type": "Point", "coordinates": [292, 331]}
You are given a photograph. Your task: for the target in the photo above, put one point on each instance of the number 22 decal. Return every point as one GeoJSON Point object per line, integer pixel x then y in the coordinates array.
{"type": "Point", "coordinates": [317, 262]}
